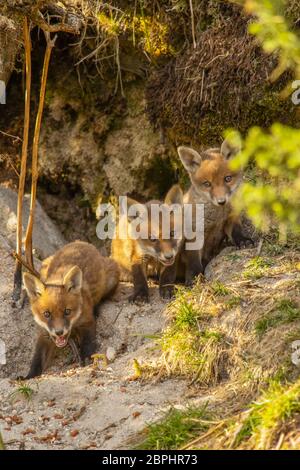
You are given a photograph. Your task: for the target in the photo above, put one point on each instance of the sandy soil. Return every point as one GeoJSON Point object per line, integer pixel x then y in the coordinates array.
{"type": "Point", "coordinates": [74, 407]}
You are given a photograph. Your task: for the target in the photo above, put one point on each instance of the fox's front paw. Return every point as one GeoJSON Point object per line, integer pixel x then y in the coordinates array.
{"type": "Point", "coordinates": [139, 296]}
{"type": "Point", "coordinates": [166, 292]}
{"type": "Point", "coordinates": [240, 239]}
{"type": "Point", "coordinates": [22, 378]}
{"type": "Point", "coordinates": [189, 282]}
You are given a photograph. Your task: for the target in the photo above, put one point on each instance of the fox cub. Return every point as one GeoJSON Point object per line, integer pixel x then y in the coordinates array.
{"type": "Point", "coordinates": [154, 251]}
{"type": "Point", "coordinates": [213, 183]}
{"type": "Point", "coordinates": [73, 281]}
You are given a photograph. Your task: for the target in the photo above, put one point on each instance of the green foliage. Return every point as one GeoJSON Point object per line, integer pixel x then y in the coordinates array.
{"type": "Point", "coordinates": [175, 429]}
{"type": "Point", "coordinates": [277, 404]}
{"type": "Point", "coordinates": [186, 314]}
{"type": "Point", "coordinates": [256, 268]}
{"type": "Point", "coordinates": [273, 31]}
{"type": "Point", "coordinates": [184, 350]}
{"type": "Point", "coordinates": [276, 195]}
{"type": "Point", "coordinates": [147, 32]}
{"type": "Point", "coordinates": [234, 301]}
{"type": "Point", "coordinates": [233, 257]}
{"type": "Point", "coordinates": [285, 312]}
{"type": "Point", "coordinates": [189, 346]}
{"type": "Point", "coordinates": [22, 391]}
{"type": "Point", "coordinates": [277, 155]}
{"type": "Point", "coordinates": [220, 289]}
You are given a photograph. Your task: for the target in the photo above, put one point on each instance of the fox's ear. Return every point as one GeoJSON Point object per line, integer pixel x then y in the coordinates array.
{"type": "Point", "coordinates": [229, 149]}
{"type": "Point", "coordinates": [174, 196]}
{"type": "Point", "coordinates": [190, 158]}
{"type": "Point", "coordinates": [133, 209]}
{"type": "Point", "coordinates": [34, 287]}
{"type": "Point", "coordinates": [73, 280]}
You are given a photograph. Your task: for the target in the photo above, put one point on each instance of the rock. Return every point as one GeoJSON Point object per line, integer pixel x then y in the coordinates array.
{"type": "Point", "coordinates": [105, 413]}
{"type": "Point", "coordinates": [10, 33]}
{"type": "Point", "coordinates": [46, 237]}
{"type": "Point", "coordinates": [228, 265]}
{"type": "Point", "coordinates": [111, 354]}
{"type": "Point", "coordinates": [87, 149]}
{"type": "Point", "coordinates": [17, 327]}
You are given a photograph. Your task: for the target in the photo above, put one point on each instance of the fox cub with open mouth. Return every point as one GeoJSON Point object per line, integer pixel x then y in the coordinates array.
{"type": "Point", "coordinates": [72, 282]}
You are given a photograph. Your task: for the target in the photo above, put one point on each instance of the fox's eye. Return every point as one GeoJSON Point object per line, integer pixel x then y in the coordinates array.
{"type": "Point", "coordinates": [47, 314]}
{"type": "Point", "coordinates": [207, 184]}
{"type": "Point", "coordinates": [228, 178]}
{"type": "Point", "coordinates": [67, 312]}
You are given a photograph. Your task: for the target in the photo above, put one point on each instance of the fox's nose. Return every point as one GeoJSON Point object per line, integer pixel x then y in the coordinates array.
{"type": "Point", "coordinates": [168, 255]}
{"type": "Point", "coordinates": [59, 332]}
{"type": "Point", "coordinates": [221, 201]}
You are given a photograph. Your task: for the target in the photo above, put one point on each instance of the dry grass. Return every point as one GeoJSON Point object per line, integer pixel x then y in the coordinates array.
{"type": "Point", "coordinates": [270, 422]}
{"type": "Point", "coordinates": [187, 89]}
{"type": "Point", "coordinates": [212, 340]}
{"type": "Point", "coordinates": [190, 346]}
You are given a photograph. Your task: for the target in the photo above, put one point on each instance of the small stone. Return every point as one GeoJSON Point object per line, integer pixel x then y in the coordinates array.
{"type": "Point", "coordinates": [11, 222]}
{"type": "Point", "coordinates": [111, 354]}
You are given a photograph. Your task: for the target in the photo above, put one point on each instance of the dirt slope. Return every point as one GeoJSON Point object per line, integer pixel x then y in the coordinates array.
{"type": "Point", "coordinates": [103, 405]}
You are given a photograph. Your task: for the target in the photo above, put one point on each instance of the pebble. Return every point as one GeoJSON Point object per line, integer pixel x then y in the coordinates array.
{"type": "Point", "coordinates": [111, 354]}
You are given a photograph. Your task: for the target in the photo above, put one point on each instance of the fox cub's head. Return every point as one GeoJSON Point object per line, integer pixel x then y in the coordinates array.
{"type": "Point", "coordinates": [210, 172]}
{"type": "Point", "coordinates": [56, 307]}
{"type": "Point", "coordinates": [158, 226]}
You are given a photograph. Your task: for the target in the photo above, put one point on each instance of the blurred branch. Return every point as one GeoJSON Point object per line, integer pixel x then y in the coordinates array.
{"type": "Point", "coordinates": [41, 13]}
{"type": "Point", "coordinates": [23, 263]}
{"type": "Point", "coordinates": [70, 23]}
{"type": "Point", "coordinates": [28, 239]}
{"type": "Point", "coordinates": [193, 24]}
{"type": "Point", "coordinates": [18, 270]}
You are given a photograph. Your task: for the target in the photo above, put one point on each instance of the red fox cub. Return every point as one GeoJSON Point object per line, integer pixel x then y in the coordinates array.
{"type": "Point", "coordinates": [213, 184]}
{"type": "Point", "coordinates": [73, 281]}
{"type": "Point", "coordinates": [154, 249]}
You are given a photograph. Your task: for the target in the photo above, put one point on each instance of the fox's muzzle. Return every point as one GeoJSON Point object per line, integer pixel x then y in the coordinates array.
{"type": "Point", "coordinates": [60, 337]}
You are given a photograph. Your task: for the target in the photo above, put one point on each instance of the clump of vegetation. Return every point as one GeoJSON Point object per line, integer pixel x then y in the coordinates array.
{"type": "Point", "coordinates": [23, 391]}
{"type": "Point", "coordinates": [189, 353]}
{"type": "Point", "coordinates": [176, 428]}
{"type": "Point", "coordinates": [268, 416]}
{"type": "Point", "coordinates": [286, 311]}
{"type": "Point", "coordinates": [256, 268]}
{"type": "Point", "coordinates": [185, 96]}
{"type": "Point", "coordinates": [275, 152]}
{"type": "Point", "coordinates": [190, 346]}
{"type": "Point", "coordinates": [220, 289]}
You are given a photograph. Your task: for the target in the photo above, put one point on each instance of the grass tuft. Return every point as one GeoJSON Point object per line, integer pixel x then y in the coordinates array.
{"type": "Point", "coordinates": [267, 416]}
{"type": "Point", "coordinates": [175, 429]}
{"type": "Point", "coordinates": [286, 311]}
{"type": "Point", "coordinates": [234, 301]}
{"type": "Point", "coordinates": [190, 347]}
{"type": "Point", "coordinates": [256, 268]}
{"type": "Point", "coordinates": [23, 391]}
{"type": "Point", "coordinates": [220, 289]}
